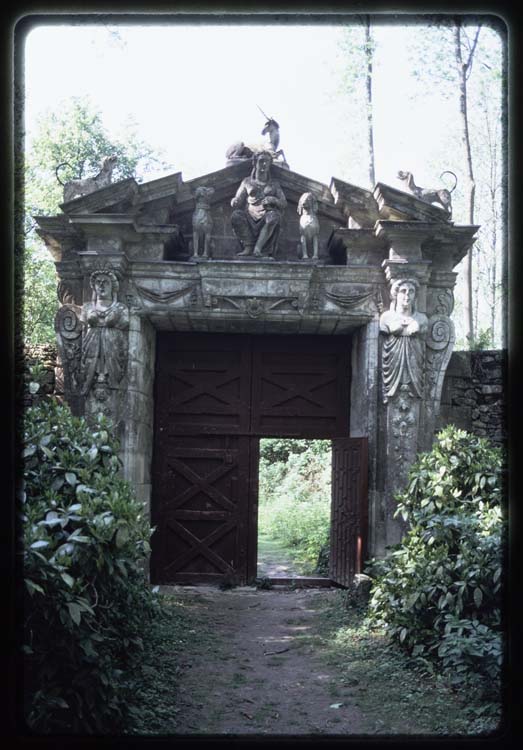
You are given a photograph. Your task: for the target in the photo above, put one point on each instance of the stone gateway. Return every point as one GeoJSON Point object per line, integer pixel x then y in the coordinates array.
{"type": "Point", "coordinates": [249, 302]}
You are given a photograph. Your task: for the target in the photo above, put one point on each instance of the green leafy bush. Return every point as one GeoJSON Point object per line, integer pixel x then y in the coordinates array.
{"type": "Point", "coordinates": [438, 592]}
{"type": "Point", "coordinates": [294, 502]}
{"type": "Point", "coordinates": [86, 600]}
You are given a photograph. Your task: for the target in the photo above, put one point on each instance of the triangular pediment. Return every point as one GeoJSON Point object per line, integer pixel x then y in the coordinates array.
{"type": "Point", "coordinates": [128, 196]}
{"type": "Point", "coordinates": [154, 219]}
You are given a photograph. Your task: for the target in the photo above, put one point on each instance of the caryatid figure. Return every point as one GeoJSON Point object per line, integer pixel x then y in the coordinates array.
{"type": "Point", "coordinates": [403, 350]}
{"type": "Point", "coordinates": [104, 346]}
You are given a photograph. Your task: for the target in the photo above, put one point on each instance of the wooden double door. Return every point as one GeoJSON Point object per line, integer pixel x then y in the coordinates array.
{"type": "Point", "coordinates": [215, 397]}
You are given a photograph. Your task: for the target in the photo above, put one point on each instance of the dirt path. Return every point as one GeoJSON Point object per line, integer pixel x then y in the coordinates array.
{"type": "Point", "coordinates": [256, 666]}
{"type": "Point", "coordinates": [274, 560]}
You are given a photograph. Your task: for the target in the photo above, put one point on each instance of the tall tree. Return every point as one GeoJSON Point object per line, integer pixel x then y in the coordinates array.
{"type": "Point", "coordinates": [453, 57]}
{"type": "Point", "coordinates": [464, 51]}
{"type": "Point", "coordinates": [486, 137]}
{"type": "Point", "coordinates": [356, 56]}
{"type": "Point", "coordinates": [369, 54]}
{"type": "Point", "coordinates": [76, 137]}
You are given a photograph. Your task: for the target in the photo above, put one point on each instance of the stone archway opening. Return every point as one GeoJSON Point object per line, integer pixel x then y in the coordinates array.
{"type": "Point", "coordinates": [216, 398]}
{"type": "Point", "coordinates": [180, 262]}
{"type": "Point", "coordinates": [294, 508]}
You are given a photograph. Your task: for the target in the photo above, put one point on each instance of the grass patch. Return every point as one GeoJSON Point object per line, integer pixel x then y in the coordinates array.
{"type": "Point", "coordinates": [395, 694]}
{"type": "Point", "coordinates": [152, 688]}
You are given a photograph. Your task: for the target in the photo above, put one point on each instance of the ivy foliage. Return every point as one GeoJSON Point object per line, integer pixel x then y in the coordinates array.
{"type": "Point", "coordinates": [438, 592]}
{"type": "Point", "coordinates": [86, 599]}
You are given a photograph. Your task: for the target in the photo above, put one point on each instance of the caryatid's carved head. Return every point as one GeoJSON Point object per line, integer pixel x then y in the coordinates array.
{"type": "Point", "coordinates": [403, 293]}
{"type": "Point", "coordinates": [104, 284]}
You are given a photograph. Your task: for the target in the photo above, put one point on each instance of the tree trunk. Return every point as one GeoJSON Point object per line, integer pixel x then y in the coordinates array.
{"type": "Point", "coordinates": [463, 68]}
{"type": "Point", "coordinates": [368, 87]}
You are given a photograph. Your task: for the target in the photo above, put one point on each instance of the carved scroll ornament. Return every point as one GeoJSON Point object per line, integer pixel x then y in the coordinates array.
{"type": "Point", "coordinates": [440, 342]}
{"type": "Point", "coordinates": [69, 330]}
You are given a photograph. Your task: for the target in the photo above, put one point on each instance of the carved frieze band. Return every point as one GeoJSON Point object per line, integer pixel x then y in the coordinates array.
{"type": "Point", "coordinates": [165, 297]}
{"type": "Point", "coordinates": [352, 301]}
{"type": "Point", "coordinates": [253, 306]}
{"type": "Point", "coordinates": [308, 297]}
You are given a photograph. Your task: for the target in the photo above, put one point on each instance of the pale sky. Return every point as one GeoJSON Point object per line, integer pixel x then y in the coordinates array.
{"type": "Point", "coordinates": [193, 91]}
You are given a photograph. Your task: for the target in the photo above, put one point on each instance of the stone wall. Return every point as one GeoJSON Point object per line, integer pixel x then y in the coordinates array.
{"type": "Point", "coordinates": [473, 396]}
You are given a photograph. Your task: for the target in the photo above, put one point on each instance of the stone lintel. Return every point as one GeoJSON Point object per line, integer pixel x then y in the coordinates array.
{"type": "Point", "coordinates": [164, 269]}
{"type": "Point", "coordinates": [404, 238]}
{"type": "Point", "coordinates": [238, 296]}
{"type": "Point", "coordinates": [231, 321]}
{"type": "Point", "coordinates": [261, 268]}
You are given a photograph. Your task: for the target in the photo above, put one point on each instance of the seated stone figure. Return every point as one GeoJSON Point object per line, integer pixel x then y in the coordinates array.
{"type": "Point", "coordinates": [258, 203]}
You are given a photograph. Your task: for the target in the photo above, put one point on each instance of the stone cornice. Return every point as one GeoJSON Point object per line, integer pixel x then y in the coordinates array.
{"type": "Point", "coordinates": [397, 205]}
{"type": "Point", "coordinates": [59, 235]}
{"type": "Point", "coordinates": [444, 245]}
{"type": "Point", "coordinates": [447, 246]}
{"type": "Point", "coordinates": [356, 204]}
{"type": "Point", "coordinates": [111, 195]}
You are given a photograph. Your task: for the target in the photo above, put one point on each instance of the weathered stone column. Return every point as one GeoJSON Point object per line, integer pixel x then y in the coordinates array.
{"type": "Point", "coordinates": [402, 374]}
{"type": "Point", "coordinates": [365, 389]}
{"type": "Point", "coordinates": [138, 407]}
{"type": "Point", "coordinates": [417, 337]}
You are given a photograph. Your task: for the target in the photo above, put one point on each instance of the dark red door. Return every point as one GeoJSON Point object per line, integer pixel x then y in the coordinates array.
{"type": "Point", "coordinates": [300, 386]}
{"type": "Point", "coordinates": [199, 509]}
{"type": "Point", "coordinates": [201, 462]}
{"type": "Point", "coordinates": [215, 396]}
{"type": "Point", "coordinates": [348, 547]}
